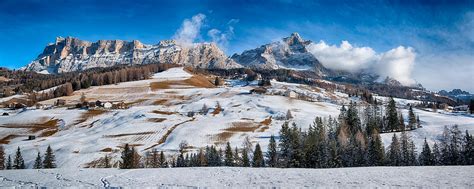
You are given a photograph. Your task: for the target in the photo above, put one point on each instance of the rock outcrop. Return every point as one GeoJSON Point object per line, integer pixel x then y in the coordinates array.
{"type": "Point", "coordinates": [72, 54]}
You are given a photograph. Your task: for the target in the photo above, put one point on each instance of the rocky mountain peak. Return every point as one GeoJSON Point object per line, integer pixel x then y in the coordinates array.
{"type": "Point", "coordinates": [73, 54]}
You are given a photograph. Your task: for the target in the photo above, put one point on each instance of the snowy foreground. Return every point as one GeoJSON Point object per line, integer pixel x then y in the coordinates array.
{"type": "Point", "coordinates": [225, 177]}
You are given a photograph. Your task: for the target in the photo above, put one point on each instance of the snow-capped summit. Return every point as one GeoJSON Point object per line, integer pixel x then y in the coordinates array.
{"type": "Point", "coordinates": [291, 52]}
{"type": "Point", "coordinates": [73, 54]}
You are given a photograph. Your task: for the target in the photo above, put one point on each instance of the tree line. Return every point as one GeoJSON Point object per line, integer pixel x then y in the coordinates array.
{"type": "Point", "coordinates": [64, 84]}
{"type": "Point", "coordinates": [48, 161]}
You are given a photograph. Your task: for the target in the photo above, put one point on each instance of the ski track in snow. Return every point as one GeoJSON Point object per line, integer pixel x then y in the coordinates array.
{"type": "Point", "coordinates": [231, 177]}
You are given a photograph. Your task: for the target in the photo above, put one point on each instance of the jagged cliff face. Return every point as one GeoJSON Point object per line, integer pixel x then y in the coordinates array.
{"type": "Point", "coordinates": [72, 54]}
{"type": "Point", "coordinates": [291, 52]}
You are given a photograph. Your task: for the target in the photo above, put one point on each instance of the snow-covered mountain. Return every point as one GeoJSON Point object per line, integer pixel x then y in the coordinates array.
{"type": "Point", "coordinates": [290, 52]}
{"type": "Point", "coordinates": [72, 54]}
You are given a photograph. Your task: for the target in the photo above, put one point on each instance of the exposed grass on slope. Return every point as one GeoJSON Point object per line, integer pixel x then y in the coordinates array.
{"type": "Point", "coordinates": [88, 115]}
{"type": "Point", "coordinates": [168, 132]}
{"type": "Point", "coordinates": [195, 81]}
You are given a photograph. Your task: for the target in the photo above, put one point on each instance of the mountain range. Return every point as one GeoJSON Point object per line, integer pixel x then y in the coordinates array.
{"type": "Point", "coordinates": [72, 54]}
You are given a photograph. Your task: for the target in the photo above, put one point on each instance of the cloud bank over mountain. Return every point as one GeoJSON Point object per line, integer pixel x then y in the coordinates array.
{"type": "Point", "coordinates": [396, 63]}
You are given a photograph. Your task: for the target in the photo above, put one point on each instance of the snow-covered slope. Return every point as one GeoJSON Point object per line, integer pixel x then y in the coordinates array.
{"type": "Point", "coordinates": [167, 110]}
{"type": "Point", "coordinates": [231, 177]}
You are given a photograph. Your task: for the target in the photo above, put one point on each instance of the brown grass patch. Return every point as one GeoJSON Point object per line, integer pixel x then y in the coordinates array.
{"type": "Point", "coordinates": [128, 104]}
{"type": "Point", "coordinates": [88, 115]}
{"type": "Point", "coordinates": [242, 127]}
{"type": "Point", "coordinates": [3, 78]}
{"type": "Point", "coordinates": [129, 134]}
{"type": "Point", "coordinates": [160, 102]}
{"type": "Point", "coordinates": [163, 112]}
{"type": "Point", "coordinates": [195, 81]}
{"type": "Point", "coordinates": [48, 132]}
{"type": "Point", "coordinates": [6, 140]}
{"type": "Point", "coordinates": [223, 137]}
{"type": "Point", "coordinates": [156, 120]}
{"type": "Point", "coordinates": [217, 110]}
{"type": "Point", "coordinates": [267, 121]}
{"type": "Point", "coordinates": [106, 150]}
{"type": "Point", "coordinates": [34, 127]}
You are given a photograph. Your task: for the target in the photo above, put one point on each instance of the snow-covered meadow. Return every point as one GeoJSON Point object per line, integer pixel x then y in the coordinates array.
{"type": "Point", "coordinates": [161, 117]}
{"type": "Point", "coordinates": [231, 177]}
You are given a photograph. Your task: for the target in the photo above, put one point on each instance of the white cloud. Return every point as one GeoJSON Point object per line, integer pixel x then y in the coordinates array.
{"type": "Point", "coordinates": [344, 57]}
{"type": "Point", "coordinates": [190, 30]}
{"type": "Point", "coordinates": [396, 63]}
{"type": "Point", "coordinates": [222, 38]}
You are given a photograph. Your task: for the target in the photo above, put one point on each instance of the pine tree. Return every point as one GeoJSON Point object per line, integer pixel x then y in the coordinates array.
{"type": "Point", "coordinates": [404, 147]}
{"type": "Point", "coordinates": [272, 153]}
{"type": "Point", "coordinates": [228, 157]}
{"type": "Point", "coordinates": [426, 157]}
{"type": "Point", "coordinates": [49, 159]}
{"type": "Point", "coordinates": [106, 161]}
{"type": "Point", "coordinates": [9, 163]}
{"type": "Point", "coordinates": [471, 106]}
{"type": "Point", "coordinates": [245, 158]}
{"type": "Point", "coordinates": [18, 163]}
{"type": "Point", "coordinates": [391, 114]}
{"type": "Point", "coordinates": [38, 162]}
{"type": "Point", "coordinates": [2, 157]}
{"type": "Point", "coordinates": [411, 119]}
{"type": "Point", "coordinates": [376, 150]}
{"type": "Point", "coordinates": [468, 151]}
{"type": "Point", "coordinates": [437, 156]}
{"type": "Point", "coordinates": [163, 162]}
{"type": "Point", "coordinates": [402, 122]}
{"type": "Point", "coordinates": [202, 158]}
{"type": "Point", "coordinates": [237, 159]}
{"type": "Point", "coordinates": [126, 158]}
{"type": "Point", "coordinates": [394, 154]}
{"type": "Point", "coordinates": [258, 157]}
{"type": "Point", "coordinates": [288, 115]}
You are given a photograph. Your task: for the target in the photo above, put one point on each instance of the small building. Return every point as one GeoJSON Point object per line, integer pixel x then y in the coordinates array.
{"type": "Point", "coordinates": [31, 137]}
{"type": "Point", "coordinates": [291, 94]}
{"type": "Point", "coordinates": [461, 108]}
{"type": "Point", "coordinates": [39, 106]}
{"type": "Point", "coordinates": [92, 104]}
{"type": "Point", "coordinates": [108, 105]}
{"type": "Point", "coordinates": [60, 102]}
{"type": "Point", "coordinates": [16, 105]}
{"type": "Point", "coordinates": [119, 105]}
{"type": "Point", "coordinates": [98, 103]}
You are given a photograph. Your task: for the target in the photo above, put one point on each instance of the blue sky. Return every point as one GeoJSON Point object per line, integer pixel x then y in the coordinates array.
{"type": "Point", "coordinates": [440, 32]}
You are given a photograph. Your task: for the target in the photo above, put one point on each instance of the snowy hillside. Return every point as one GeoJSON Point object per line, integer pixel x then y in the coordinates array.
{"type": "Point", "coordinates": [168, 109]}
{"type": "Point", "coordinates": [228, 177]}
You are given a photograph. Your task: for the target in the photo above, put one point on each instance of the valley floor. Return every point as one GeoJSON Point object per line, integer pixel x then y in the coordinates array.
{"type": "Point", "coordinates": [226, 177]}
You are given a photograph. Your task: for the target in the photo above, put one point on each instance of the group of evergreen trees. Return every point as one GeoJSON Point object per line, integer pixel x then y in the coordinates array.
{"type": "Point", "coordinates": [350, 140]}
{"type": "Point", "coordinates": [18, 162]}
